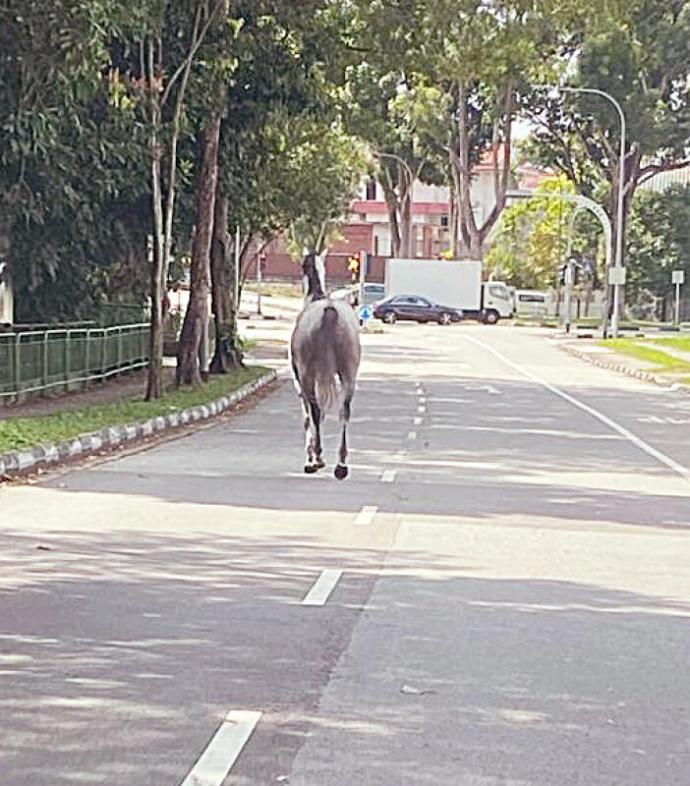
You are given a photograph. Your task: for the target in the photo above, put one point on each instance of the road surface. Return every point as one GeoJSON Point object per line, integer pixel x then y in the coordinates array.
{"type": "Point", "coordinates": [499, 596]}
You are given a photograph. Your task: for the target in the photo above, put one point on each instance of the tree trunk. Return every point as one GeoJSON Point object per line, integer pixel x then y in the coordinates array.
{"type": "Point", "coordinates": [405, 210]}
{"type": "Point", "coordinates": [196, 318]}
{"type": "Point", "coordinates": [453, 223]}
{"type": "Point", "coordinates": [227, 354]}
{"type": "Point", "coordinates": [154, 385]}
{"type": "Point", "coordinates": [392, 205]}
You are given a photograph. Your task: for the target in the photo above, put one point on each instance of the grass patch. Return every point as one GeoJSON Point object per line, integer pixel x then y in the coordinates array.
{"type": "Point", "coordinates": [677, 342]}
{"type": "Point", "coordinates": [19, 433]}
{"type": "Point", "coordinates": [657, 359]}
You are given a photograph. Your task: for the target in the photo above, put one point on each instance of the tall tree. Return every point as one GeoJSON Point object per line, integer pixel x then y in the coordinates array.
{"type": "Point", "coordinates": [481, 56]}
{"type": "Point", "coordinates": [56, 132]}
{"type": "Point", "coordinates": [161, 43]}
{"type": "Point", "coordinates": [638, 55]}
{"type": "Point", "coordinates": [658, 243]}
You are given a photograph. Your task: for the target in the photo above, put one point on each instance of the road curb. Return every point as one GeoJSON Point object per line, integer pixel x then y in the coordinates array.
{"type": "Point", "coordinates": [612, 365]}
{"type": "Point", "coordinates": [20, 462]}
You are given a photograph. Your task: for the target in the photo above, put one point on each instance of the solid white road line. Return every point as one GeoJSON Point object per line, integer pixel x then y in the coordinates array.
{"type": "Point", "coordinates": [216, 761]}
{"type": "Point", "coordinates": [323, 586]}
{"type": "Point", "coordinates": [366, 515]}
{"type": "Point", "coordinates": [389, 476]}
{"type": "Point", "coordinates": [662, 458]}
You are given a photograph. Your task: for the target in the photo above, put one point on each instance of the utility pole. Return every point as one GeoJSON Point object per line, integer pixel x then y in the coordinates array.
{"type": "Point", "coordinates": [678, 279]}
{"type": "Point", "coordinates": [259, 282]}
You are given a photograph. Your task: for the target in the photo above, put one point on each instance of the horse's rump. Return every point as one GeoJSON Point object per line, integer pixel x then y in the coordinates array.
{"type": "Point", "coordinates": [325, 348]}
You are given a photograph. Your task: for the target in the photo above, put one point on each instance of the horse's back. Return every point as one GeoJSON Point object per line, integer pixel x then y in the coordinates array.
{"type": "Point", "coordinates": [320, 338]}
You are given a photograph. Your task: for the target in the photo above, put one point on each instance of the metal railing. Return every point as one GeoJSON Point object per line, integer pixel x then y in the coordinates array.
{"type": "Point", "coordinates": [36, 361]}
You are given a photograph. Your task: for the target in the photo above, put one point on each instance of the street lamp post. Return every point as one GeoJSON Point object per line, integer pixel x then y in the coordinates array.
{"type": "Point", "coordinates": [619, 274]}
{"type": "Point", "coordinates": [394, 157]}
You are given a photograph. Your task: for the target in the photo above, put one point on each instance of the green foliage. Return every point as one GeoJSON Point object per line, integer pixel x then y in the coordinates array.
{"type": "Point", "coordinates": [638, 53]}
{"type": "Point", "coordinates": [658, 241]}
{"type": "Point", "coordinates": [325, 167]}
{"type": "Point", "coordinates": [532, 237]}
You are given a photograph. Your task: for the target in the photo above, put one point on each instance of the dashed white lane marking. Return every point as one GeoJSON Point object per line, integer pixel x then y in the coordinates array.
{"type": "Point", "coordinates": [323, 586]}
{"type": "Point", "coordinates": [412, 435]}
{"type": "Point", "coordinates": [366, 515]}
{"type": "Point", "coordinates": [662, 458]}
{"type": "Point", "coordinates": [389, 476]}
{"type": "Point", "coordinates": [421, 409]}
{"type": "Point", "coordinates": [490, 389]}
{"type": "Point", "coordinates": [217, 760]}
{"type": "Point", "coordinates": [422, 400]}
{"type": "Point", "coordinates": [417, 421]}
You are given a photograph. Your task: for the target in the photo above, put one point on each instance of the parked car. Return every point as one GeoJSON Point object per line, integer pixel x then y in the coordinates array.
{"type": "Point", "coordinates": [415, 309]}
{"type": "Point", "coordinates": [372, 294]}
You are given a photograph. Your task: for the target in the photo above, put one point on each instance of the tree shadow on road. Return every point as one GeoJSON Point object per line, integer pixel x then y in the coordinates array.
{"type": "Point", "coordinates": [122, 651]}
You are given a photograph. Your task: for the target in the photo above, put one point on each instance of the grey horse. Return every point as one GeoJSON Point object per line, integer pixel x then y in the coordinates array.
{"type": "Point", "coordinates": [325, 353]}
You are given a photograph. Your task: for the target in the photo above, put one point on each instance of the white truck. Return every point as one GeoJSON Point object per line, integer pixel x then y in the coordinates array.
{"type": "Point", "coordinates": [455, 283]}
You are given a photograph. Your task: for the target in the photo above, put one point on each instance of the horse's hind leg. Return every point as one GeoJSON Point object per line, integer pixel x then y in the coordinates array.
{"type": "Point", "coordinates": [312, 429]}
{"type": "Point", "coordinates": [316, 420]}
{"type": "Point", "coordinates": [341, 471]}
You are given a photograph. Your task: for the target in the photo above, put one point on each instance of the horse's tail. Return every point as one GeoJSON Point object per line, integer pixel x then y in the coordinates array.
{"type": "Point", "coordinates": [326, 385]}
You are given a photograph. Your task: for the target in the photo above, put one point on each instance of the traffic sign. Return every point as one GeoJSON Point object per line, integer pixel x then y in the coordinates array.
{"type": "Point", "coordinates": [617, 276]}
{"type": "Point", "coordinates": [678, 277]}
{"type": "Point", "coordinates": [365, 313]}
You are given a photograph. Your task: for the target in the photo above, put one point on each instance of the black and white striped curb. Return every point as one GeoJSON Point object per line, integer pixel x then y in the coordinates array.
{"type": "Point", "coordinates": [21, 461]}
{"type": "Point", "coordinates": [612, 365]}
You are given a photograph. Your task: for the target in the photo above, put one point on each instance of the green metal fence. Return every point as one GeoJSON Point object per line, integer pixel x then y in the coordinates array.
{"type": "Point", "coordinates": [35, 361]}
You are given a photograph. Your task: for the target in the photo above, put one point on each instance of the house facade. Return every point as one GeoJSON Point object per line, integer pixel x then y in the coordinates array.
{"type": "Point", "coordinates": [368, 228]}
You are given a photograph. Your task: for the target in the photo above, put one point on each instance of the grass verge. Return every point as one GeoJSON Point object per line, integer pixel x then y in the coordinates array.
{"type": "Point", "coordinates": [658, 360]}
{"type": "Point", "coordinates": [676, 342]}
{"type": "Point", "coordinates": [19, 433]}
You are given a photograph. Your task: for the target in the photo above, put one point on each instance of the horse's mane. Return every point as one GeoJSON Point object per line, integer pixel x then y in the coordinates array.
{"type": "Point", "coordinates": [314, 286]}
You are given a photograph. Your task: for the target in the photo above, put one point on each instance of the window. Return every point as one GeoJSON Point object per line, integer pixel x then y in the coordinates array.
{"type": "Point", "coordinates": [445, 222]}
{"type": "Point", "coordinates": [529, 298]}
{"type": "Point", "coordinates": [419, 302]}
{"type": "Point", "coordinates": [371, 190]}
{"type": "Point", "coordinates": [499, 292]}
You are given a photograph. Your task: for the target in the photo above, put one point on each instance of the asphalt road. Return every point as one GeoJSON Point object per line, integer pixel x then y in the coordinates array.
{"type": "Point", "coordinates": [506, 598]}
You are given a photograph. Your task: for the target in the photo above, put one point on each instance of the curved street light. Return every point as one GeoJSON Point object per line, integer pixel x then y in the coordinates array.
{"type": "Point", "coordinates": [618, 279]}
{"type": "Point", "coordinates": [581, 202]}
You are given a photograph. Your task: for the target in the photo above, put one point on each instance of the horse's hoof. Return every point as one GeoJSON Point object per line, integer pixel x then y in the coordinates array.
{"type": "Point", "coordinates": [320, 463]}
{"type": "Point", "coordinates": [310, 469]}
{"type": "Point", "coordinates": [341, 472]}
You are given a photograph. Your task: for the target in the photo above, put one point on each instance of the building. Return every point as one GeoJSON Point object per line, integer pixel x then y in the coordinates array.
{"type": "Point", "coordinates": [665, 180]}
{"type": "Point", "coordinates": [368, 226]}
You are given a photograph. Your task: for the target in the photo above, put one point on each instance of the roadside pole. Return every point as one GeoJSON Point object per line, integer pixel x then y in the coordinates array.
{"type": "Point", "coordinates": [677, 278]}
{"type": "Point", "coordinates": [363, 264]}
{"type": "Point", "coordinates": [237, 266]}
{"type": "Point", "coordinates": [259, 284]}
{"type": "Point", "coordinates": [568, 297]}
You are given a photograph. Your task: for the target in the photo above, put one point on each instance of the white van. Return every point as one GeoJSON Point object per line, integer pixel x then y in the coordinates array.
{"type": "Point", "coordinates": [532, 303]}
